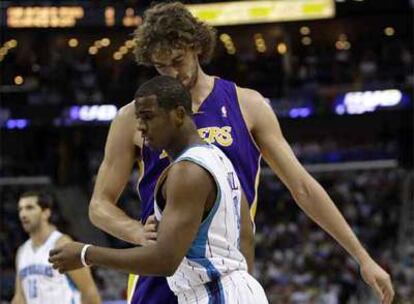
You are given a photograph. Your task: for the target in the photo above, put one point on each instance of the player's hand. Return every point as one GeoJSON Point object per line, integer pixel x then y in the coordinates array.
{"type": "Point", "coordinates": [66, 257]}
{"type": "Point", "coordinates": [150, 230]}
{"type": "Point", "coordinates": [378, 280]}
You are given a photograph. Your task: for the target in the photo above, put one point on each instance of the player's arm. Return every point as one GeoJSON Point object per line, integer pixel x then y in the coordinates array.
{"type": "Point", "coordinates": [306, 191]}
{"type": "Point", "coordinates": [82, 278]}
{"type": "Point", "coordinates": [186, 198]}
{"type": "Point", "coordinates": [246, 234]}
{"type": "Point", "coordinates": [18, 297]}
{"type": "Point", "coordinates": [112, 177]}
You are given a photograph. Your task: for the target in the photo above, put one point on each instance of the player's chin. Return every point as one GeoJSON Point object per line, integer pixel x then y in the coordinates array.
{"type": "Point", "coordinates": [153, 145]}
{"type": "Point", "coordinates": [27, 228]}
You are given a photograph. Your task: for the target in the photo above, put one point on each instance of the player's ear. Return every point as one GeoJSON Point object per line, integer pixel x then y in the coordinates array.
{"type": "Point", "coordinates": [180, 113]}
{"type": "Point", "coordinates": [196, 48]}
{"type": "Point", "coordinates": [47, 213]}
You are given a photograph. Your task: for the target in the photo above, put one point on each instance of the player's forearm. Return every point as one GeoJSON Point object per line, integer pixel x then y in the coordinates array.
{"type": "Point", "coordinates": [111, 219]}
{"type": "Point", "coordinates": [317, 204]}
{"type": "Point", "coordinates": [147, 260]}
{"type": "Point", "coordinates": [91, 297]}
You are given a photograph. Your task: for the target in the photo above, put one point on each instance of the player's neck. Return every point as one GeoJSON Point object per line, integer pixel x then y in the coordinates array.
{"type": "Point", "coordinates": [40, 236]}
{"type": "Point", "coordinates": [202, 88]}
{"type": "Point", "coordinates": [187, 137]}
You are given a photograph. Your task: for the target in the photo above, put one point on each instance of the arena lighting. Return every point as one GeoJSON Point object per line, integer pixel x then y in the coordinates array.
{"type": "Point", "coordinates": [17, 123]}
{"type": "Point", "coordinates": [130, 19]}
{"type": "Point", "coordinates": [389, 31]}
{"type": "Point", "coordinates": [117, 56]}
{"type": "Point", "coordinates": [306, 40]}
{"type": "Point", "coordinates": [18, 80]}
{"type": "Point", "coordinates": [43, 16]}
{"type": "Point", "coordinates": [225, 37]}
{"type": "Point", "coordinates": [130, 43]}
{"type": "Point", "coordinates": [300, 112]}
{"type": "Point", "coordinates": [93, 50]}
{"type": "Point", "coordinates": [109, 16]}
{"type": "Point", "coordinates": [11, 43]}
{"type": "Point", "coordinates": [123, 50]}
{"type": "Point", "coordinates": [73, 42]}
{"type": "Point", "coordinates": [248, 12]}
{"type": "Point", "coordinates": [93, 113]}
{"type": "Point", "coordinates": [282, 48]}
{"type": "Point", "coordinates": [105, 42]}
{"type": "Point", "coordinates": [305, 30]}
{"type": "Point", "coordinates": [367, 101]}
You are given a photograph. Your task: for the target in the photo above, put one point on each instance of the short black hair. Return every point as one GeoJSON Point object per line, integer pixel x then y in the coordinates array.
{"type": "Point", "coordinates": [170, 92]}
{"type": "Point", "coordinates": [44, 200]}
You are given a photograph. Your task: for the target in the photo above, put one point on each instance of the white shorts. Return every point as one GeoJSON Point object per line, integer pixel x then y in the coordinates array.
{"type": "Point", "coordinates": [238, 287]}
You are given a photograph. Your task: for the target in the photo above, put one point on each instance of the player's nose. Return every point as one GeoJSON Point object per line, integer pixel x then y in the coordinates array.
{"type": "Point", "coordinates": [142, 127]}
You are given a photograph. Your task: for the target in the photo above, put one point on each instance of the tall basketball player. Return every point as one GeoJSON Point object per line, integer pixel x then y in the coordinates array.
{"type": "Point", "coordinates": [237, 120]}
{"type": "Point", "coordinates": [36, 281]}
{"type": "Point", "coordinates": [198, 202]}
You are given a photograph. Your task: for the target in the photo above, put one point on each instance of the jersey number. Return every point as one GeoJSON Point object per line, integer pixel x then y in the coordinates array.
{"type": "Point", "coordinates": [32, 288]}
{"type": "Point", "coordinates": [232, 181]}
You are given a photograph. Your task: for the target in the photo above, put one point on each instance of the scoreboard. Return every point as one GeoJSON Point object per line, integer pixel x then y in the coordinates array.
{"type": "Point", "coordinates": [68, 16]}
{"type": "Point", "coordinates": [217, 14]}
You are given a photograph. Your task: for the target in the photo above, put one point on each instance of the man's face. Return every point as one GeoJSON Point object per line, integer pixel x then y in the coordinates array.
{"type": "Point", "coordinates": [30, 214]}
{"type": "Point", "coordinates": [181, 63]}
{"type": "Point", "coordinates": [154, 122]}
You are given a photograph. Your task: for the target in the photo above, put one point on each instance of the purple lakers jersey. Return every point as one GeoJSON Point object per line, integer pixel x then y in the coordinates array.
{"type": "Point", "coordinates": [220, 122]}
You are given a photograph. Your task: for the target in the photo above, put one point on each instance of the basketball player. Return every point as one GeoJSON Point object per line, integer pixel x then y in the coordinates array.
{"type": "Point", "coordinates": [237, 120]}
{"type": "Point", "coordinates": [36, 281]}
{"type": "Point", "coordinates": [198, 204]}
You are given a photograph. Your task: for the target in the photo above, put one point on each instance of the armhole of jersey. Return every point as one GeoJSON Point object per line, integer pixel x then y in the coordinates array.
{"type": "Point", "coordinates": [18, 254]}
{"type": "Point", "coordinates": [214, 208]}
{"type": "Point", "coordinates": [58, 237]}
{"type": "Point", "coordinates": [141, 173]}
{"type": "Point", "coordinates": [161, 181]}
{"type": "Point", "coordinates": [244, 119]}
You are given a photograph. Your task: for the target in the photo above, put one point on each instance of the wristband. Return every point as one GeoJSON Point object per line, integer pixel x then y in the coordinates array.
{"type": "Point", "coordinates": [83, 254]}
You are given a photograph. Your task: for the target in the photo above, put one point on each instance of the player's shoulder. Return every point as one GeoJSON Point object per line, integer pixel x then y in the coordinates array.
{"type": "Point", "coordinates": [247, 93]}
{"type": "Point", "coordinates": [252, 103]}
{"type": "Point", "coordinates": [124, 121]}
{"type": "Point", "coordinates": [127, 111]}
{"type": "Point", "coordinates": [23, 246]}
{"type": "Point", "coordinates": [63, 239]}
{"type": "Point", "coordinates": [192, 170]}
{"type": "Point", "coordinates": [196, 172]}
{"type": "Point", "coordinates": [22, 249]}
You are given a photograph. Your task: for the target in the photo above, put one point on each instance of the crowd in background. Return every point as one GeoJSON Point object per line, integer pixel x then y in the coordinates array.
{"type": "Point", "coordinates": [58, 74]}
{"type": "Point", "coordinates": [295, 260]}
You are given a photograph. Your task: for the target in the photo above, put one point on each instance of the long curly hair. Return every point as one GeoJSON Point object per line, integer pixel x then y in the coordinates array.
{"type": "Point", "coordinates": [171, 25]}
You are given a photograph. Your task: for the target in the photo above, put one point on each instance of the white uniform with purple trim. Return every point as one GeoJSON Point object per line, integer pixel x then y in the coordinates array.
{"type": "Point", "coordinates": [214, 270]}
{"type": "Point", "coordinates": [41, 283]}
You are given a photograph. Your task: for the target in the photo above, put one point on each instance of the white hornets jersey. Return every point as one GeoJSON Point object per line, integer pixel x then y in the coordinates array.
{"type": "Point", "coordinates": [214, 252]}
{"type": "Point", "coordinates": [41, 283]}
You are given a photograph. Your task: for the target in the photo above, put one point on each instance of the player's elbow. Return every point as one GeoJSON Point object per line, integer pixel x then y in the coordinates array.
{"type": "Point", "coordinates": [302, 192]}
{"type": "Point", "coordinates": [168, 264]}
{"type": "Point", "coordinates": [96, 214]}
{"type": "Point", "coordinates": [170, 268]}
